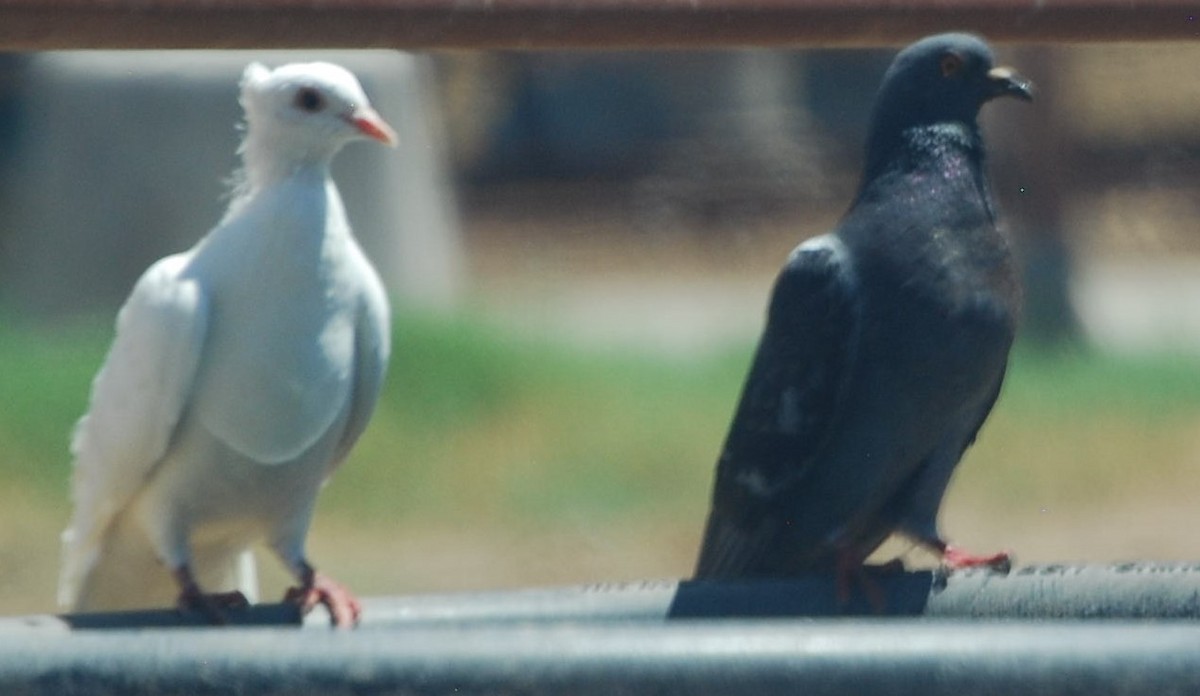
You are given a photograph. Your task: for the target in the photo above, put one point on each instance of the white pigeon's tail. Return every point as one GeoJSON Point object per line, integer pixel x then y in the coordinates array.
{"type": "Point", "coordinates": [121, 572]}
{"type": "Point", "coordinates": [117, 572]}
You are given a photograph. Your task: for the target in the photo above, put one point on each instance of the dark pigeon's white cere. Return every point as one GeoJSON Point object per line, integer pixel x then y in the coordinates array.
{"type": "Point", "coordinates": [242, 372]}
{"type": "Point", "coordinates": [886, 341]}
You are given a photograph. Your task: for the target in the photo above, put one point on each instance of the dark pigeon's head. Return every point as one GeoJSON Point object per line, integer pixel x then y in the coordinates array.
{"type": "Point", "coordinates": [941, 79]}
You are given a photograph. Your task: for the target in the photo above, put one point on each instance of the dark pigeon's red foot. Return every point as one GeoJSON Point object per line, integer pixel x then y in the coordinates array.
{"type": "Point", "coordinates": [847, 570]}
{"type": "Point", "coordinates": [850, 571]}
{"type": "Point", "coordinates": [956, 558]}
{"type": "Point", "coordinates": [318, 588]}
{"type": "Point", "coordinates": [213, 606]}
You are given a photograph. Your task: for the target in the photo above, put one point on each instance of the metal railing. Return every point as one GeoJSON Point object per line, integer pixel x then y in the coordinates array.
{"type": "Point", "coordinates": [1133, 591]}
{"type": "Point", "coordinates": [812, 658]}
{"type": "Point", "coordinates": [1038, 630]}
{"type": "Point", "coordinates": [539, 24]}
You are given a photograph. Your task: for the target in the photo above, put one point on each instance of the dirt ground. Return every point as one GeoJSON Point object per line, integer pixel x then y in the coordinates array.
{"type": "Point", "coordinates": [382, 561]}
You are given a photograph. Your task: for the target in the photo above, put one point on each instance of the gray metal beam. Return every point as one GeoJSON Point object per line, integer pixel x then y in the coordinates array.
{"type": "Point", "coordinates": [1049, 592]}
{"type": "Point", "coordinates": [536, 24]}
{"type": "Point", "coordinates": [882, 657]}
{"type": "Point", "coordinates": [1126, 591]}
{"type": "Point", "coordinates": [976, 632]}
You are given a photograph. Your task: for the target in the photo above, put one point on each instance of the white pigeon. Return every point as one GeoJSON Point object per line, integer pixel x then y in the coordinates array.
{"type": "Point", "coordinates": [241, 374]}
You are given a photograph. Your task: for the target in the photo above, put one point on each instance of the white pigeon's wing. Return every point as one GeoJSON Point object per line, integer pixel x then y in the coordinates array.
{"type": "Point", "coordinates": [372, 347]}
{"type": "Point", "coordinates": [137, 399]}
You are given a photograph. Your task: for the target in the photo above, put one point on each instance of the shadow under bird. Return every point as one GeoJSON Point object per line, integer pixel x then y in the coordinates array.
{"type": "Point", "coordinates": [885, 344]}
{"type": "Point", "coordinates": [242, 372]}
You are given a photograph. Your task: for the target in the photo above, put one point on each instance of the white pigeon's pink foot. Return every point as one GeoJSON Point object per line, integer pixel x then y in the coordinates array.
{"type": "Point", "coordinates": [213, 605]}
{"type": "Point", "coordinates": [318, 588]}
{"type": "Point", "coordinates": [956, 558]}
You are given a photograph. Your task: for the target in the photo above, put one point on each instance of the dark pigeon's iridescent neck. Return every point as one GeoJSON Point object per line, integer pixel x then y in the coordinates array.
{"type": "Point", "coordinates": [953, 149]}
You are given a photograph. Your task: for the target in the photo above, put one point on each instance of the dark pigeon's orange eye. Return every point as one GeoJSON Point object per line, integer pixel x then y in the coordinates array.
{"type": "Point", "coordinates": [951, 64]}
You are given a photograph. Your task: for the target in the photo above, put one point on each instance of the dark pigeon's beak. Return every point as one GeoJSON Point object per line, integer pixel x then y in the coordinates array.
{"type": "Point", "coordinates": [1006, 82]}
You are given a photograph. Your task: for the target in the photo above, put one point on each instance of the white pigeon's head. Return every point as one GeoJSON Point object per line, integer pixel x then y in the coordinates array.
{"type": "Point", "coordinates": [307, 111]}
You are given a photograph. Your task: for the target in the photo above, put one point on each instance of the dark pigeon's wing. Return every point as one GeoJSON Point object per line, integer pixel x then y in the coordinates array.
{"type": "Point", "coordinates": [791, 399]}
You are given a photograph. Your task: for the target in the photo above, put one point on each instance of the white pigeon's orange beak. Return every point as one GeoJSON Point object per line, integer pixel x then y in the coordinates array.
{"type": "Point", "coordinates": [371, 124]}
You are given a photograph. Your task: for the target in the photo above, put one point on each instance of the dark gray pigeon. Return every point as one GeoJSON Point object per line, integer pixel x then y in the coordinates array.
{"type": "Point", "coordinates": [886, 342]}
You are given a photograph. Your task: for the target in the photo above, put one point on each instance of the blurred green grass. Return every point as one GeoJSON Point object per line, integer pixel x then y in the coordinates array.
{"type": "Point", "coordinates": [484, 433]}
{"type": "Point", "coordinates": [524, 430]}
{"type": "Point", "coordinates": [476, 422]}
{"type": "Point", "coordinates": [1084, 428]}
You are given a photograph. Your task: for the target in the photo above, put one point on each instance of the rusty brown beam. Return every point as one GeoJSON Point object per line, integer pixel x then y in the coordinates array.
{"type": "Point", "coordinates": [544, 24]}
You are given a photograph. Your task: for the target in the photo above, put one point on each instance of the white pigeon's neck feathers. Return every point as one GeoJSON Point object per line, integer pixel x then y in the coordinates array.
{"type": "Point", "coordinates": [267, 159]}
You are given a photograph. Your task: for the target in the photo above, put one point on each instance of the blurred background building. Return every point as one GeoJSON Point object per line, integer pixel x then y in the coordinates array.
{"type": "Point", "coordinates": [647, 179]}
{"type": "Point", "coordinates": [728, 152]}
{"type": "Point", "coordinates": [115, 159]}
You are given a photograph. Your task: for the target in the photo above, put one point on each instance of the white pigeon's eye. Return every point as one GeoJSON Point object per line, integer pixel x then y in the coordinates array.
{"type": "Point", "coordinates": [310, 100]}
{"type": "Point", "coordinates": [950, 64]}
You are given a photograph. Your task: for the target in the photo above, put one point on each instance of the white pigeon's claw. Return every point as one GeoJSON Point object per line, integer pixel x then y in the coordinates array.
{"type": "Point", "coordinates": [317, 588]}
{"type": "Point", "coordinates": [213, 607]}
{"type": "Point", "coordinates": [212, 431]}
